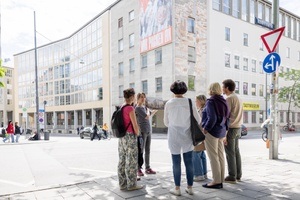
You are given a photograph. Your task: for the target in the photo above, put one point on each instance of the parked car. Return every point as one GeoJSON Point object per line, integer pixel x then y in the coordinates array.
{"type": "Point", "coordinates": [88, 132]}
{"type": "Point", "coordinates": [244, 130]}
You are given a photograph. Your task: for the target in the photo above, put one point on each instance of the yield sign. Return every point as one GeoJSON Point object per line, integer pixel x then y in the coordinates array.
{"type": "Point", "coordinates": [272, 38]}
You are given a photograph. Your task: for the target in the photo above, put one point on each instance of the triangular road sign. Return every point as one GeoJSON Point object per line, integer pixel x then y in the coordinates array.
{"type": "Point", "coordinates": [272, 38]}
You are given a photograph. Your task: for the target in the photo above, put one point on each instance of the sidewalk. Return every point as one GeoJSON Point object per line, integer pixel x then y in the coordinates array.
{"type": "Point", "coordinates": [262, 179]}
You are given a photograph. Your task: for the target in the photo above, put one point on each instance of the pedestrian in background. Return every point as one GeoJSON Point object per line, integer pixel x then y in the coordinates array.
{"type": "Point", "coordinates": [199, 157]}
{"type": "Point", "coordinates": [233, 156]}
{"type": "Point", "coordinates": [127, 147]}
{"type": "Point", "coordinates": [10, 131]}
{"type": "Point", "coordinates": [177, 118]}
{"type": "Point", "coordinates": [215, 124]}
{"type": "Point", "coordinates": [143, 115]}
{"type": "Point", "coordinates": [105, 129]}
{"type": "Point", "coordinates": [17, 132]}
{"type": "Point", "coordinates": [95, 132]}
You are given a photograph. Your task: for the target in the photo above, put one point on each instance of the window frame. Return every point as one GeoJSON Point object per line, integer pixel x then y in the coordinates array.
{"type": "Point", "coordinates": [191, 55]}
{"type": "Point", "coordinates": [191, 26]}
{"type": "Point", "coordinates": [158, 84]}
{"type": "Point", "coordinates": [158, 56]}
{"type": "Point", "coordinates": [131, 16]}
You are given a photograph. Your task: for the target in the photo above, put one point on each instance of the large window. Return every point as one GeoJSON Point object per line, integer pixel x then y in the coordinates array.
{"type": "Point", "coordinates": [191, 82]}
{"type": "Point", "coordinates": [158, 56]}
{"type": "Point", "coordinates": [227, 34]}
{"type": "Point", "coordinates": [121, 45]}
{"type": "Point", "coordinates": [245, 117]}
{"type": "Point", "coordinates": [131, 65]}
{"type": "Point", "coordinates": [252, 11]}
{"type": "Point", "coordinates": [245, 88]}
{"type": "Point", "coordinates": [227, 60]}
{"type": "Point", "coordinates": [236, 62]}
{"type": "Point", "coordinates": [144, 60]}
{"type": "Point", "coordinates": [260, 8]}
{"type": "Point", "coordinates": [245, 65]}
{"type": "Point", "coordinates": [191, 25]}
{"type": "Point", "coordinates": [268, 14]}
{"type": "Point", "coordinates": [226, 6]}
{"type": "Point", "coordinates": [237, 87]}
{"type": "Point", "coordinates": [158, 83]}
{"type": "Point", "coordinates": [191, 54]}
{"type": "Point", "coordinates": [145, 87]}
{"type": "Point", "coordinates": [217, 4]}
{"type": "Point", "coordinates": [245, 10]}
{"type": "Point", "coordinates": [253, 116]}
{"type": "Point", "coordinates": [131, 40]}
{"type": "Point", "coordinates": [236, 8]}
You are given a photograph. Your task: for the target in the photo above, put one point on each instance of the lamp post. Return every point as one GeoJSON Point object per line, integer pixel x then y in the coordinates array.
{"type": "Point", "coordinates": [36, 81]}
{"type": "Point", "coordinates": [45, 115]}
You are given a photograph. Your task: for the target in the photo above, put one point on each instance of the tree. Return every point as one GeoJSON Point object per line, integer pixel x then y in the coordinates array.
{"type": "Point", "coordinates": [290, 94]}
{"type": "Point", "coordinates": [2, 73]}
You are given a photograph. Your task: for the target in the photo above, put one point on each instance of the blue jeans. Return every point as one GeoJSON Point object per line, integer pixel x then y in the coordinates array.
{"type": "Point", "coordinates": [188, 162]}
{"type": "Point", "coordinates": [199, 161]}
{"type": "Point", "coordinates": [12, 138]}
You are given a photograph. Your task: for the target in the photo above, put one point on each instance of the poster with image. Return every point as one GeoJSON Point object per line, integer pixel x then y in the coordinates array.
{"type": "Point", "coordinates": [155, 24]}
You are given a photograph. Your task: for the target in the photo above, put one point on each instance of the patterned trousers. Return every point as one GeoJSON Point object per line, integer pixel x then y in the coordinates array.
{"type": "Point", "coordinates": [128, 160]}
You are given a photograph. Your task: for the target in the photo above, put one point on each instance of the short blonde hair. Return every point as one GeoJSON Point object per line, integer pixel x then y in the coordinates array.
{"type": "Point", "coordinates": [215, 89]}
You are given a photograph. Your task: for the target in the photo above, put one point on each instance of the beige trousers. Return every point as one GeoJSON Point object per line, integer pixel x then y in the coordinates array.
{"type": "Point", "coordinates": [215, 151]}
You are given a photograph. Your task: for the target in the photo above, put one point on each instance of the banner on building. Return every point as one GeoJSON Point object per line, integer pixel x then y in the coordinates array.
{"type": "Point", "coordinates": [250, 106]}
{"type": "Point", "coordinates": [155, 24]}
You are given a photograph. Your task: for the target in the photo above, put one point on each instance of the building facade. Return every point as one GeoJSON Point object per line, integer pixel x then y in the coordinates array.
{"type": "Point", "coordinates": [147, 46]}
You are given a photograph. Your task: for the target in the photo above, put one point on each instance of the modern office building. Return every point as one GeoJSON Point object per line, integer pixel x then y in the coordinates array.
{"type": "Point", "coordinates": [6, 97]}
{"type": "Point", "coordinates": [147, 46]}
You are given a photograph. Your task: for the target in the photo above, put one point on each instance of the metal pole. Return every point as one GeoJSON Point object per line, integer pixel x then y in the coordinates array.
{"type": "Point", "coordinates": [36, 81]}
{"type": "Point", "coordinates": [273, 150]}
{"type": "Point", "coordinates": [266, 89]}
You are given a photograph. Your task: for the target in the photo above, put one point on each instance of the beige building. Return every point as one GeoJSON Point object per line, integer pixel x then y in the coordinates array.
{"type": "Point", "coordinates": [147, 46]}
{"type": "Point", "coordinates": [6, 97]}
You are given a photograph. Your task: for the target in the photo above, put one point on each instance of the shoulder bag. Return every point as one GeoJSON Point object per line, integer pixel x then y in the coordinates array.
{"type": "Point", "coordinates": [197, 134]}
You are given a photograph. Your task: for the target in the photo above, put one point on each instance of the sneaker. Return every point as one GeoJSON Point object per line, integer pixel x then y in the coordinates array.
{"type": "Point", "coordinates": [175, 192]}
{"type": "Point", "coordinates": [199, 178]}
{"type": "Point", "coordinates": [140, 173]}
{"type": "Point", "coordinates": [229, 179]}
{"type": "Point", "coordinates": [136, 187]}
{"type": "Point", "coordinates": [150, 171]}
{"type": "Point", "coordinates": [189, 191]}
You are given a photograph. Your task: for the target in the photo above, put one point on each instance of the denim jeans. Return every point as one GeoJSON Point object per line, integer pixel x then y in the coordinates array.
{"type": "Point", "coordinates": [188, 162]}
{"type": "Point", "coordinates": [17, 138]}
{"type": "Point", "coordinates": [199, 161]}
{"type": "Point", "coordinates": [11, 136]}
{"type": "Point", "coordinates": [233, 156]}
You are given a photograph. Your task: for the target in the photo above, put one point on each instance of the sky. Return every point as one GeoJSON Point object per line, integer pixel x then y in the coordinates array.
{"type": "Point", "coordinates": [55, 20]}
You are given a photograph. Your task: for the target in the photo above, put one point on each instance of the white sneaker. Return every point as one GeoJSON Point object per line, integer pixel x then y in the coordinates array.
{"type": "Point", "coordinates": [199, 178]}
{"type": "Point", "coordinates": [189, 191]}
{"type": "Point", "coordinates": [175, 192]}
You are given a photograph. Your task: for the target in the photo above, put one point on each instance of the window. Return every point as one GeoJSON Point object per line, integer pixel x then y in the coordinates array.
{"type": "Point", "coordinates": [245, 88]}
{"type": "Point", "coordinates": [268, 14]}
{"type": "Point", "coordinates": [245, 117]}
{"type": "Point", "coordinates": [245, 10]}
{"type": "Point", "coordinates": [100, 93]}
{"type": "Point", "coordinates": [260, 9]}
{"type": "Point", "coordinates": [236, 8]}
{"type": "Point", "coordinates": [261, 90]}
{"type": "Point", "coordinates": [260, 67]}
{"type": "Point", "coordinates": [245, 39]}
{"type": "Point", "coordinates": [288, 52]}
{"type": "Point", "coordinates": [9, 101]}
{"type": "Point", "coordinates": [191, 25]}
{"type": "Point", "coordinates": [131, 40]}
{"type": "Point", "coordinates": [252, 11]}
{"type": "Point", "coordinates": [253, 89]}
{"type": "Point", "coordinates": [281, 117]}
{"type": "Point", "coordinates": [158, 83]}
{"type": "Point", "coordinates": [158, 56]}
{"type": "Point", "coordinates": [227, 60]}
{"type": "Point", "coordinates": [217, 5]}
{"type": "Point", "coordinates": [121, 88]}
{"type": "Point", "coordinates": [131, 85]}
{"type": "Point", "coordinates": [253, 62]}
{"type": "Point", "coordinates": [191, 54]}
{"type": "Point", "coordinates": [144, 60]}
{"type": "Point", "coordinates": [245, 67]}
{"type": "Point", "coordinates": [145, 87]}
{"type": "Point", "coordinates": [236, 62]}
{"type": "Point", "coordinates": [131, 65]}
{"type": "Point", "coordinates": [131, 15]}
{"type": "Point", "coordinates": [191, 82]}
{"type": "Point", "coordinates": [237, 87]}
{"type": "Point", "coordinates": [120, 22]}
{"type": "Point", "coordinates": [121, 45]}
{"type": "Point", "coordinates": [253, 116]}
{"type": "Point", "coordinates": [227, 34]}
{"type": "Point", "coordinates": [121, 69]}
{"type": "Point", "coordinates": [226, 6]}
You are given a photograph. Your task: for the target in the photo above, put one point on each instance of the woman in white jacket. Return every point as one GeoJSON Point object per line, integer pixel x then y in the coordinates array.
{"type": "Point", "coordinates": [177, 119]}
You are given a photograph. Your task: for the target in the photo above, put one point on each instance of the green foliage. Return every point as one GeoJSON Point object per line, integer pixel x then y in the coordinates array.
{"type": "Point", "coordinates": [2, 73]}
{"type": "Point", "coordinates": [290, 94]}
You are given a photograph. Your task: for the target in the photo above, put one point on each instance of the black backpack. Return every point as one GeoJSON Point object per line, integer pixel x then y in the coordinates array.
{"type": "Point", "coordinates": [117, 122]}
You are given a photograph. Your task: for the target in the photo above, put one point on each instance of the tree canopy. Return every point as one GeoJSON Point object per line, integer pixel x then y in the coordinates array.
{"type": "Point", "coordinates": [2, 73]}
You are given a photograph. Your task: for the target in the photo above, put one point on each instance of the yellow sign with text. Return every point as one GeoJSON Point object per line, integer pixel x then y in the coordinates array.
{"type": "Point", "coordinates": [250, 106]}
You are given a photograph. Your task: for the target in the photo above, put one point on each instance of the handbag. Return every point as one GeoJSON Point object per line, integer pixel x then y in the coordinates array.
{"type": "Point", "coordinates": [197, 134]}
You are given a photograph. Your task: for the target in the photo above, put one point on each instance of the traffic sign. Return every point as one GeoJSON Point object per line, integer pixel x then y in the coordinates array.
{"type": "Point", "coordinates": [272, 38]}
{"type": "Point", "coordinates": [271, 62]}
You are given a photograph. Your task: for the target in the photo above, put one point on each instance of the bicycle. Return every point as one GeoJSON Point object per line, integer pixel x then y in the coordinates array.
{"type": "Point", "coordinates": [289, 127]}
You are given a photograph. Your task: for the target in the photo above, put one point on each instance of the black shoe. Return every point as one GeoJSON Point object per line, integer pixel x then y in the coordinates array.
{"type": "Point", "coordinates": [216, 186]}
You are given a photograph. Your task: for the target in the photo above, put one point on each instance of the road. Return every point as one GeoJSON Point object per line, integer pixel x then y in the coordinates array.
{"type": "Point", "coordinates": [64, 160]}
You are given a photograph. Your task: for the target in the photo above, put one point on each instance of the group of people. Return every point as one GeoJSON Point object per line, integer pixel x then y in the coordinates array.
{"type": "Point", "coordinates": [137, 140]}
{"type": "Point", "coordinates": [220, 118]}
{"type": "Point", "coordinates": [96, 130]}
{"type": "Point", "coordinates": [11, 132]}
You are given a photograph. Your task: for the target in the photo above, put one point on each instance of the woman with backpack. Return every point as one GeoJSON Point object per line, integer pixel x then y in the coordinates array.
{"type": "Point", "coordinates": [128, 149]}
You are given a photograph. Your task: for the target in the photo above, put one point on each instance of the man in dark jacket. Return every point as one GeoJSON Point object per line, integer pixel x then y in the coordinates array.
{"type": "Point", "coordinates": [95, 132]}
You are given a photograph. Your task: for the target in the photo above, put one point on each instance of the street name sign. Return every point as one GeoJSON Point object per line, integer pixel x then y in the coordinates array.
{"type": "Point", "coordinates": [271, 62]}
{"type": "Point", "coordinates": [272, 38]}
